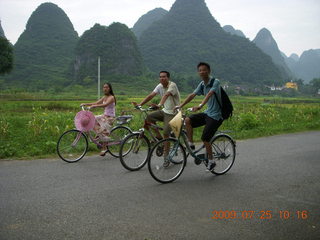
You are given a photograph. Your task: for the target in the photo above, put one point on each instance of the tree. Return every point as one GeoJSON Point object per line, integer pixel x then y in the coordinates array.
{"type": "Point", "coordinates": [315, 83]}
{"type": "Point", "coordinates": [6, 56]}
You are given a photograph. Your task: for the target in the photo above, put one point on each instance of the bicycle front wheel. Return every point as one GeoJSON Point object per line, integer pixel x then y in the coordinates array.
{"type": "Point", "coordinates": [117, 134]}
{"type": "Point", "coordinates": [72, 146]}
{"type": "Point", "coordinates": [134, 151]}
{"type": "Point", "coordinates": [224, 153]}
{"type": "Point", "coordinates": [170, 165]}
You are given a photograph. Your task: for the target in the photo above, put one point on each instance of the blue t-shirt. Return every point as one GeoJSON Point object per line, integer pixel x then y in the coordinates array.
{"type": "Point", "coordinates": [213, 109]}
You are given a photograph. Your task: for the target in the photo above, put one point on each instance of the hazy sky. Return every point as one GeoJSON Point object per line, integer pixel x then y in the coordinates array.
{"type": "Point", "coordinates": [294, 24]}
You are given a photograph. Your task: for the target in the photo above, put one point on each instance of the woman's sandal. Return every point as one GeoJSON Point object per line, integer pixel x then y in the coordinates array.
{"type": "Point", "coordinates": [103, 153]}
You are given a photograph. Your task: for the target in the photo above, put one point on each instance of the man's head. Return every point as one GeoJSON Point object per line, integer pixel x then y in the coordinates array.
{"type": "Point", "coordinates": [204, 70]}
{"type": "Point", "coordinates": [164, 77]}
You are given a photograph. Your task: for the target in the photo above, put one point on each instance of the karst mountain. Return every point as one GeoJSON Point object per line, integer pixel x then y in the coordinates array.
{"type": "Point", "coordinates": [189, 34]}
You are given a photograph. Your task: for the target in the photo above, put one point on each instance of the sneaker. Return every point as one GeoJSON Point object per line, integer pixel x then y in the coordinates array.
{"type": "Point", "coordinates": [210, 166]}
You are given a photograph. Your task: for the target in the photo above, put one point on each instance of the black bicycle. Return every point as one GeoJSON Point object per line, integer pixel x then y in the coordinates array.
{"type": "Point", "coordinates": [166, 169]}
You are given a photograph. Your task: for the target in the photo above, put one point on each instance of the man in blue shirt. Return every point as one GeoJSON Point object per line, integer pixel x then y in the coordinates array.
{"type": "Point", "coordinates": [211, 117]}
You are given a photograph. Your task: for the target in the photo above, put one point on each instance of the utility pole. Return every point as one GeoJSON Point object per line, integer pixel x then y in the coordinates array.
{"type": "Point", "coordinates": [99, 77]}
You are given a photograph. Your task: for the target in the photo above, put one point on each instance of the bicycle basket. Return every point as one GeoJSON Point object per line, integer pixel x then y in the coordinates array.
{"type": "Point", "coordinates": [176, 124]}
{"type": "Point", "coordinates": [123, 119]}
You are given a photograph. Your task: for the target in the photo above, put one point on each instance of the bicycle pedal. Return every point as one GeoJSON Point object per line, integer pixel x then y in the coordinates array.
{"type": "Point", "coordinates": [199, 159]}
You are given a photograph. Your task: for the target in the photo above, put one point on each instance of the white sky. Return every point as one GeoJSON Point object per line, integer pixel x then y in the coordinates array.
{"type": "Point", "coordinates": [294, 24]}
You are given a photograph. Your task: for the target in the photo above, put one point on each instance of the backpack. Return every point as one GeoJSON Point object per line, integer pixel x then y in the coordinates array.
{"type": "Point", "coordinates": [226, 106]}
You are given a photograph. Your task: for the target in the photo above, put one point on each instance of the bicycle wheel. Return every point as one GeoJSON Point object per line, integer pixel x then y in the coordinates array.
{"type": "Point", "coordinates": [134, 151]}
{"type": "Point", "coordinates": [167, 168]}
{"type": "Point", "coordinates": [117, 134]}
{"type": "Point", "coordinates": [72, 145]}
{"type": "Point", "coordinates": [224, 153]}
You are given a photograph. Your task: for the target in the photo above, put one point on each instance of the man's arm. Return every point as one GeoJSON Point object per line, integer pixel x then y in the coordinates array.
{"type": "Point", "coordinates": [147, 99]}
{"type": "Point", "coordinates": [172, 91]}
{"type": "Point", "coordinates": [187, 100]}
{"type": "Point", "coordinates": [164, 98]}
{"type": "Point", "coordinates": [204, 101]}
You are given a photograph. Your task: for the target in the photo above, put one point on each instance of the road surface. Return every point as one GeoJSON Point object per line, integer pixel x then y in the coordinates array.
{"type": "Point", "coordinates": [272, 192]}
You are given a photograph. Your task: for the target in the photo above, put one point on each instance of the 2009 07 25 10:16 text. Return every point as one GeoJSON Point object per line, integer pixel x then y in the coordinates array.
{"type": "Point", "coordinates": [262, 214]}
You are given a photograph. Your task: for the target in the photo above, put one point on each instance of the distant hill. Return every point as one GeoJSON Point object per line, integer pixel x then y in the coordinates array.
{"type": "Point", "coordinates": [294, 56]}
{"type": "Point", "coordinates": [268, 45]}
{"type": "Point", "coordinates": [189, 34]}
{"type": "Point", "coordinates": [305, 67]}
{"type": "Point", "coordinates": [1, 31]}
{"type": "Point", "coordinates": [44, 50]}
{"type": "Point", "coordinates": [147, 19]}
{"type": "Point", "coordinates": [308, 66]}
{"type": "Point", "coordinates": [231, 30]}
{"type": "Point", "coordinates": [291, 62]}
{"type": "Point", "coordinates": [117, 48]}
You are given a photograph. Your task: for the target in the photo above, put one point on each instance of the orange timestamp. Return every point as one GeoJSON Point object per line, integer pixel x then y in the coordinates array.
{"type": "Point", "coordinates": [262, 214]}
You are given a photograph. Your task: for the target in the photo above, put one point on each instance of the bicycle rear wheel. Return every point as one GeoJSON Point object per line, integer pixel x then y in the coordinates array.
{"type": "Point", "coordinates": [117, 134]}
{"type": "Point", "coordinates": [169, 167]}
{"type": "Point", "coordinates": [224, 153]}
{"type": "Point", "coordinates": [72, 146]}
{"type": "Point", "coordinates": [134, 151]}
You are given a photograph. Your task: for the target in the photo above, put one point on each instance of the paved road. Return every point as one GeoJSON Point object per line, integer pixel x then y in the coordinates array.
{"type": "Point", "coordinates": [98, 199]}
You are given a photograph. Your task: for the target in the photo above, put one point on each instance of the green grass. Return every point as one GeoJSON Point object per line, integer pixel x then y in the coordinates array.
{"type": "Point", "coordinates": [30, 129]}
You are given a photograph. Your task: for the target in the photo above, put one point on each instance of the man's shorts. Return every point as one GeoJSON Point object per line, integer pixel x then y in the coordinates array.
{"type": "Point", "coordinates": [162, 117]}
{"type": "Point", "coordinates": [211, 125]}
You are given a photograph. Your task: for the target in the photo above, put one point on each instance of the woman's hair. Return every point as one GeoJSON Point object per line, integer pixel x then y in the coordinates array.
{"type": "Point", "coordinates": [111, 92]}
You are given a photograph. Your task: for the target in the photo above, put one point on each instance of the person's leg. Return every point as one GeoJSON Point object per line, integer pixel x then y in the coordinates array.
{"type": "Point", "coordinates": [152, 118]}
{"type": "Point", "coordinates": [194, 121]}
{"type": "Point", "coordinates": [106, 124]}
{"type": "Point", "coordinates": [189, 129]}
{"type": "Point", "coordinates": [208, 132]}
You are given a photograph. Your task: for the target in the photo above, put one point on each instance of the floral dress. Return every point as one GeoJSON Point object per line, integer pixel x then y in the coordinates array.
{"type": "Point", "coordinates": [104, 122]}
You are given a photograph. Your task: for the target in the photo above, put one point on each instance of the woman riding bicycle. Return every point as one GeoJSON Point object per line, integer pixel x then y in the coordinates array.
{"type": "Point", "coordinates": [104, 122]}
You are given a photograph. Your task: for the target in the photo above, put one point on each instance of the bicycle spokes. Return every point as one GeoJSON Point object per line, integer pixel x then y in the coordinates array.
{"type": "Point", "coordinates": [223, 153]}
{"type": "Point", "coordinates": [168, 167]}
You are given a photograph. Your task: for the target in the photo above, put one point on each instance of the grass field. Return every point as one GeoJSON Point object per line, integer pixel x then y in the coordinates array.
{"type": "Point", "coordinates": [30, 129]}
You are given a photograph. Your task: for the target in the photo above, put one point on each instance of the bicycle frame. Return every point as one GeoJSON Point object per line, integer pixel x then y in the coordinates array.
{"type": "Point", "coordinates": [95, 141]}
{"type": "Point", "coordinates": [170, 166]}
{"type": "Point", "coordinates": [183, 135]}
{"type": "Point", "coordinates": [151, 125]}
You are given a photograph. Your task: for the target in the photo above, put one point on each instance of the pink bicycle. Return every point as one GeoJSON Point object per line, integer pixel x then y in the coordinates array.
{"type": "Point", "coordinates": [73, 144]}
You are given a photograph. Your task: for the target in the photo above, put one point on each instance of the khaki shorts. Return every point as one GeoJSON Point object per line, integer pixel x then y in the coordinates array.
{"type": "Point", "coordinates": [162, 117]}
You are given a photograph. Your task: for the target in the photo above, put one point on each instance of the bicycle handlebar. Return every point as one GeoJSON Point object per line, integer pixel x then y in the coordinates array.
{"type": "Point", "coordinates": [84, 108]}
{"type": "Point", "coordinates": [138, 107]}
{"type": "Point", "coordinates": [178, 109]}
